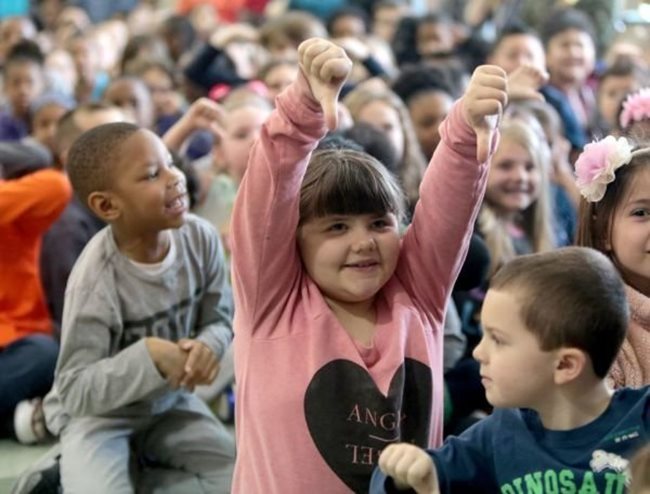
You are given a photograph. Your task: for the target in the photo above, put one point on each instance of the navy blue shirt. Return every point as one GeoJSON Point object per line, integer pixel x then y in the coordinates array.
{"type": "Point", "coordinates": [512, 453]}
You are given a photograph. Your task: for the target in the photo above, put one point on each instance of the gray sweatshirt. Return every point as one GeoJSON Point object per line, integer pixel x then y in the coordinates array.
{"type": "Point", "coordinates": [111, 305]}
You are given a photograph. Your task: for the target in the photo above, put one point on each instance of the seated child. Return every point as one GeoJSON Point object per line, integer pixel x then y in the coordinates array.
{"type": "Point", "coordinates": [28, 206]}
{"type": "Point", "coordinates": [557, 426]}
{"type": "Point", "coordinates": [147, 315]}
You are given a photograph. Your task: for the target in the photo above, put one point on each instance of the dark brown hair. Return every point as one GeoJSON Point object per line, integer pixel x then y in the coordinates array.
{"type": "Point", "coordinates": [571, 297]}
{"type": "Point", "coordinates": [345, 181]}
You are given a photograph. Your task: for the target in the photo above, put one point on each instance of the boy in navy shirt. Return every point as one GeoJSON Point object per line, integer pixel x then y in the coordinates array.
{"type": "Point", "coordinates": [553, 323]}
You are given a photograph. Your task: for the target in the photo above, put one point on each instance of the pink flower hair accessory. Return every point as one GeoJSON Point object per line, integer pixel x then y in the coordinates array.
{"type": "Point", "coordinates": [597, 164]}
{"type": "Point", "coordinates": [636, 107]}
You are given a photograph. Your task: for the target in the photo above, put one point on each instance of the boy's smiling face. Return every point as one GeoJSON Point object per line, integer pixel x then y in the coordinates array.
{"type": "Point", "coordinates": [149, 191]}
{"type": "Point", "coordinates": [515, 371]}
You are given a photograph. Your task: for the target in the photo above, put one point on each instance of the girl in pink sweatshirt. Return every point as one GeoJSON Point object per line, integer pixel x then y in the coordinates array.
{"type": "Point", "coordinates": [338, 347]}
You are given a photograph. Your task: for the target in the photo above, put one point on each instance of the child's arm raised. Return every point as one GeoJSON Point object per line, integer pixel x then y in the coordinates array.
{"type": "Point", "coordinates": [265, 259]}
{"type": "Point", "coordinates": [452, 189]}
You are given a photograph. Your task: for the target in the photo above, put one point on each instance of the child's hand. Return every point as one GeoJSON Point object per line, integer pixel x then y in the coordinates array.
{"type": "Point", "coordinates": [168, 358]}
{"type": "Point", "coordinates": [201, 366]}
{"type": "Point", "coordinates": [484, 101]}
{"type": "Point", "coordinates": [524, 82]}
{"type": "Point", "coordinates": [204, 114]}
{"type": "Point", "coordinates": [410, 467]}
{"type": "Point", "coordinates": [326, 67]}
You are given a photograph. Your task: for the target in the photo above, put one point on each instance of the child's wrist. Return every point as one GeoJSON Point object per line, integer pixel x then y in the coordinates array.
{"type": "Point", "coordinates": [154, 348]}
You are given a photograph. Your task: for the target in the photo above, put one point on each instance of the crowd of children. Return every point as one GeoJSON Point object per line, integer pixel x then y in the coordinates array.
{"type": "Point", "coordinates": [437, 242]}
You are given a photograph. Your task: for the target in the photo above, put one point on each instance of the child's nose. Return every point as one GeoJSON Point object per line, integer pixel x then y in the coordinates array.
{"type": "Point", "coordinates": [365, 243]}
{"type": "Point", "coordinates": [176, 179]}
{"type": "Point", "coordinates": [478, 352]}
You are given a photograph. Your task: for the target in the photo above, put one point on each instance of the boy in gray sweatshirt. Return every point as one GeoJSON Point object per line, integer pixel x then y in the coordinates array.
{"type": "Point", "coordinates": [147, 316]}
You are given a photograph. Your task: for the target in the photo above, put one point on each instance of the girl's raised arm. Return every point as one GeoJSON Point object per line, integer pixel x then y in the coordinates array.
{"type": "Point", "coordinates": [452, 190]}
{"type": "Point", "coordinates": [266, 264]}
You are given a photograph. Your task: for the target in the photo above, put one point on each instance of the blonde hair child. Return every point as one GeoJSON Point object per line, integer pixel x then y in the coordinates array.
{"type": "Point", "coordinates": [516, 216]}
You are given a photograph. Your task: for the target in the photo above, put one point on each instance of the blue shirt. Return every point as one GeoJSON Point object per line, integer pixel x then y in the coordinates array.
{"type": "Point", "coordinates": [510, 452]}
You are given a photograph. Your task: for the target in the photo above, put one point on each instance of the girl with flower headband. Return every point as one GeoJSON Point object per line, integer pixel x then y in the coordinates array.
{"type": "Point", "coordinates": [614, 180]}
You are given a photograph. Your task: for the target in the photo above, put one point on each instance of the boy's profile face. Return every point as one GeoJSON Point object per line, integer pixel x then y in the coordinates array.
{"type": "Point", "coordinates": [23, 83]}
{"type": "Point", "coordinates": [149, 191]}
{"type": "Point", "coordinates": [570, 56]}
{"type": "Point", "coordinates": [517, 50]}
{"type": "Point", "coordinates": [514, 370]}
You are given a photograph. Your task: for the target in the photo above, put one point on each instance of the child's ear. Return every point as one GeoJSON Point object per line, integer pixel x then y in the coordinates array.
{"type": "Point", "coordinates": [570, 364]}
{"type": "Point", "coordinates": [104, 205]}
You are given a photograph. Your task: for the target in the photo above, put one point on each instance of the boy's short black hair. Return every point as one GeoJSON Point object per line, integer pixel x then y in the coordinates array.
{"type": "Point", "coordinates": [571, 297]}
{"type": "Point", "coordinates": [91, 158]}
{"type": "Point", "coordinates": [565, 19]}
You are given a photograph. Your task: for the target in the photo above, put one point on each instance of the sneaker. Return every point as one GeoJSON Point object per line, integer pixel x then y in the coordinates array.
{"type": "Point", "coordinates": [29, 422]}
{"type": "Point", "coordinates": [44, 477]}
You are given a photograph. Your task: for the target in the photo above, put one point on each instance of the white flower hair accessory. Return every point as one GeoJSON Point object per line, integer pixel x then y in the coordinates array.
{"type": "Point", "coordinates": [597, 164]}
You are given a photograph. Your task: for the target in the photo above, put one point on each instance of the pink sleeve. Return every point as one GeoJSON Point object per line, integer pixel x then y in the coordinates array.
{"type": "Point", "coordinates": [435, 245]}
{"type": "Point", "coordinates": [265, 260]}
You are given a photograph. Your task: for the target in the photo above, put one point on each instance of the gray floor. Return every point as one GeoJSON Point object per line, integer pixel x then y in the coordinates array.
{"type": "Point", "coordinates": [15, 458]}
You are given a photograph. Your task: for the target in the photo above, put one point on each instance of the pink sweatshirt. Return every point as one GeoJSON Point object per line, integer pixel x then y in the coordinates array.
{"type": "Point", "coordinates": [314, 408]}
{"type": "Point", "coordinates": [632, 365]}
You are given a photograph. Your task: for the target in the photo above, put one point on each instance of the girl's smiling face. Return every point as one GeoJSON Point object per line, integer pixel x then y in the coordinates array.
{"type": "Point", "coordinates": [630, 233]}
{"type": "Point", "coordinates": [514, 179]}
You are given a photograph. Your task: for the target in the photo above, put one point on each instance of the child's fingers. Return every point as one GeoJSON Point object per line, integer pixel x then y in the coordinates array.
{"type": "Point", "coordinates": [490, 70]}
{"type": "Point", "coordinates": [335, 69]}
{"type": "Point", "coordinates": [388, 458]}
{"type": "Point", "coordinates": [192, 358]}
{"type": "Point", "coordinates": [490, 81]}
{"type": "Point", "coordinates": [311, 51]}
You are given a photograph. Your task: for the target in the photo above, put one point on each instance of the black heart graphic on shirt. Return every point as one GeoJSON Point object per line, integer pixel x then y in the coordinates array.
{"type": "Point", "coordinates": [351, 421]}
